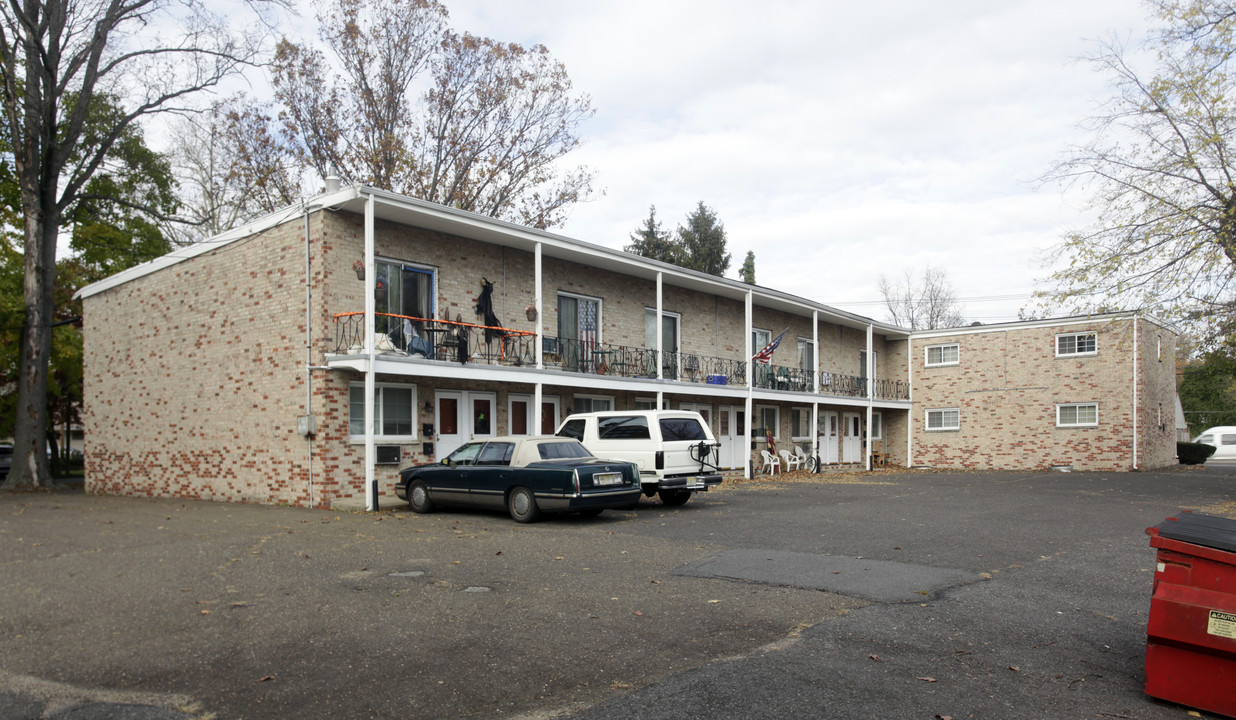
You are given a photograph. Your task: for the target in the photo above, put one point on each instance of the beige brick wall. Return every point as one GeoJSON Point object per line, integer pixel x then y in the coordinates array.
{"type": "Point", "coordinates": [1008, 385]}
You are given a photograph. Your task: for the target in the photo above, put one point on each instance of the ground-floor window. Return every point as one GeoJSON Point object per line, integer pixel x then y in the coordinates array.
{"type": "Point", "coordinates": [877, 426]}
{"type": "Point", "coordinates": [769, 420]}
{"type": "Point", "coordinates": [592, 403]}
{"type": "Point", "coordinates": [800, 423]}
{"type": "Point", "coordinates": [394, 409]}
{"type": "Point", "coordinates": [944, 419]}
{"type": "Point", "coordinates": [1077, 415]}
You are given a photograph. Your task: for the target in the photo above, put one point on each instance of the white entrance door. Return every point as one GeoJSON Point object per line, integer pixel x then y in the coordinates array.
{"type": "Point", "coordinates": [829, 430]}
{"type": "Point", "coordinates": [448, 421]}
{"type": "Point", "coordinates": [731, 433]}
{"type": "Point", "coordinates": [481, 414]}
{"type": "Point", "coordinates": [705, 412]}
{"type": "Point", "coordinates": [851, 437]}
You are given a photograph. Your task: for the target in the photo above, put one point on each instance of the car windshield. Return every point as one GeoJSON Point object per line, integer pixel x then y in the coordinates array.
{"type": "Point", "coordinates": [559, 450]}
{"type": "Point", "coordinates": [466, 455]}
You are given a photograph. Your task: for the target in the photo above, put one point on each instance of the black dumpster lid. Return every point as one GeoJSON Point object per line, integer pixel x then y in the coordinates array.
{"type": "Point", "coordinates": [1209, 531]}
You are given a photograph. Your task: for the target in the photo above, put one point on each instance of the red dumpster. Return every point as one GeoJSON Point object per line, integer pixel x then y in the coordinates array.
{"type": "Point", "coordinates": [1191, 633]}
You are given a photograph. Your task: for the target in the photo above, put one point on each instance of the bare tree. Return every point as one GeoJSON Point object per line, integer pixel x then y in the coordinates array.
{"type": "Point", "coordinates": [230, 168]}
{"type": "Point", "coordinates": [923, 303]}
{"type": "Point", "coordinates": [56, 57]}
{"type": "Point", "coordinates": [1159, 166]}
{"type": "Point", "coordinates": [415, 108]}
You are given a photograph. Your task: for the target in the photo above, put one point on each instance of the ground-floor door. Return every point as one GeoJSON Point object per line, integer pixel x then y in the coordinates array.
{"type": "Point", "coordinates": [460, 416]}
{"type": "Point", "coordinates": [732, 434]}
{"type": "Point", "coordinates": [829, 429]}
{"type": "Point", "coordinates": [705, 411]}
{"type": "Point", "coordinates": [448, 422]}
{"type": "Point", "coordinates": [851, 437]}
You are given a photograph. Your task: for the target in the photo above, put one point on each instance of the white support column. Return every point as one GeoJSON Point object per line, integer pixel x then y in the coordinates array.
{"type": "Point", "coordinates": [870, 372]}
{"type": "Point", "coordinates": [660, 339]}
{"type": "Point", "coordinates": [371, 279]}
{"type": "Point", "coordinates": [746, 471]}
{"type": "Point", "coordinates": [538, 343]}
{"type": "Point", "coordinates": [815, 382]}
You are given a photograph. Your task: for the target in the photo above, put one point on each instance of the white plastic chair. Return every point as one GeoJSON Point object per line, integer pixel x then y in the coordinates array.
{"type": "Point", "coordinates": [791, 461]}
{"type": "Point", "coordinates": [803, 457]}
{"type": "Point", "coordinates": [771, 463]}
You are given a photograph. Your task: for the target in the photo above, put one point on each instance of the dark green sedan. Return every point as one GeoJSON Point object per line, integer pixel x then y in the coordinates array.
{"type": "Point", "coordinates": [526, 476]}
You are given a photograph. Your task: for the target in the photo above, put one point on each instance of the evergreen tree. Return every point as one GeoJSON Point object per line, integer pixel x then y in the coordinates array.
{"type": "Point", "coordinates": [702, 242]}
{"type": "Point", "coordinates": [651, 241]}
{"type": "Point", "coordinates": [747, 274]}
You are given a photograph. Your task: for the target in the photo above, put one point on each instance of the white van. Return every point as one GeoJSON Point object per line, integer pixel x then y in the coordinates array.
{"type": "Point", "coordinates": [1223, 438]}
{"type": "Point", "coordinates": [675, 449]}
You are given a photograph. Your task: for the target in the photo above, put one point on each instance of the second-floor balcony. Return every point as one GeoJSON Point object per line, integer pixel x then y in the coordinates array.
{"type": "Point", "coordinates": [449, 341]}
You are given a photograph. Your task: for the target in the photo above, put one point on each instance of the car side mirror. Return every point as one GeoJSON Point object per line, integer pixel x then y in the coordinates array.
{"type": "Point", "coordinates": [446, 462]}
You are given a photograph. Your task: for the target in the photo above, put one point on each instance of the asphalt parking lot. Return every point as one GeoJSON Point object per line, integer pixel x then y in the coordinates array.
{"type": "Point", "coordinates": [909, 595]}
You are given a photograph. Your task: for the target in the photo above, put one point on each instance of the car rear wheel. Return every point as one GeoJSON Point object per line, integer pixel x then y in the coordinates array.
{"type": "Point", "coordinates": [674, 497]}
{"type": "Point", "coordinates": [521, 504]}
{"type": "Point", "coordinates": [418, 497]}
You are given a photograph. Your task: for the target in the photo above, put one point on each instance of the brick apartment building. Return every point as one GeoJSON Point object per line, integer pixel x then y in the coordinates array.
{"type": "Point", "coordinates": [308, 356]}
{"type": "Point", "coordinates": [1087, 393]}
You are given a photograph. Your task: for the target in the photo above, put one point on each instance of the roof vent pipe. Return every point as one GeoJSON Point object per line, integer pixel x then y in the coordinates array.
{"type": "Point", "coordinates": [332, 179]}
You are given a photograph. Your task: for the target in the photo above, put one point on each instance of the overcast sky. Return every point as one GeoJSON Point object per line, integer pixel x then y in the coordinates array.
{"type": "Point", "coordinates": [838, 140]}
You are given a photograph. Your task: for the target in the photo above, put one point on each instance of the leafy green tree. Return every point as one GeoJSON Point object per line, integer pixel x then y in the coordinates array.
{"type": "Point", "coordinates": [747, 273]}
{"type": "Point", "coordinates": [405, 104]}
{"type": "Point", "coordinates": [651, 241]}
{"type": "Point", "coordinates": [703, 243]}
{"type": "Point", "coordinates": [1208, 391]}
{"type": "Point", "coordinates": [1159, 167]}
{"type": "Point", "coordinates": [57, 59]}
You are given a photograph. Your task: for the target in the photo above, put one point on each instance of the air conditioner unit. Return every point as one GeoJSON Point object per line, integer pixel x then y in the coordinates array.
{"type": "Point", "coordinates": [386, 455]}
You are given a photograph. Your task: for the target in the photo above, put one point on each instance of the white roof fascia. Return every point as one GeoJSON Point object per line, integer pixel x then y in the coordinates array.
{"type": "Point", "coordinates": [1033, 324]}
{"type": "Point", "coordinates": [221, 240]}
{"type": "Point", "coordinates": [352, 199]}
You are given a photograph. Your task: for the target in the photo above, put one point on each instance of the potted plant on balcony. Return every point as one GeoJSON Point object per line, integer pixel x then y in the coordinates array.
{"type": "Point", "coordinates": [359, 268]}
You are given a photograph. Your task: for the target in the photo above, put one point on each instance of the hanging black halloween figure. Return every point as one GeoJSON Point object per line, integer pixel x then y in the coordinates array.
{"type": "Point", "coordinates": [485, 308]}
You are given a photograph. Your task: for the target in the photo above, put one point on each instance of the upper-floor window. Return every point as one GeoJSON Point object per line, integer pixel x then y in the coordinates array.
{"type": "Point", "coordinates": [1077, 415]}
{"type": "Point", "coordinates": [806, 355]}
{"type": "Point", "coordinates": [404, 289]}
{"type": "Point", "coordinates": [1082, 343]}
{"type": "Point", "coordinates": [949, 354]}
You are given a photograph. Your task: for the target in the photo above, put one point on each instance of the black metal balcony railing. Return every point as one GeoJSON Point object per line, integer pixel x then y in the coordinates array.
{"type": "Point", "coordinates": [450, 341]}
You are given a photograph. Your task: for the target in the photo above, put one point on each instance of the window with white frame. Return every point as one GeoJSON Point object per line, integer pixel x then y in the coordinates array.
{"type": "Point", "coordinates": [1072, 344]}
{"type": "Point", "coordinates": [1077, 415]}
{"type": "Point", "coordinates": [394, 411]}
{"type": "Point", "coordinates": [947, 354]}
{"type": "Point", "coordinates": [877, 426]}
{"type": "Point", "coordinates": [800, 423]}
{"type": "Point", "coordinates": [650, 404]}
{"type": "Point", "coordinates": [943, 419]}
{"type": "Point", "coordinates": [769, 419]}
{"type": "Point", "coordinates": [806, 354]}
{"type": "Point", "coordinates": [592, 403]}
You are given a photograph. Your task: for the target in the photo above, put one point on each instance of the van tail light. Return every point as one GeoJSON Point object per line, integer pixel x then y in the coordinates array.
{"type": "Point", "coordinates": [660, 461]}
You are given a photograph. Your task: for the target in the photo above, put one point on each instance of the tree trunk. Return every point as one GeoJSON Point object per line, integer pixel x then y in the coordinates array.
{"type": "Point", "coordinates": [30, 467]}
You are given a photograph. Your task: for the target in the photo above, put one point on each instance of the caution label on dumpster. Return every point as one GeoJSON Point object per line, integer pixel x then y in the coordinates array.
{"type": "Point", "coordinates": [1222, 624]}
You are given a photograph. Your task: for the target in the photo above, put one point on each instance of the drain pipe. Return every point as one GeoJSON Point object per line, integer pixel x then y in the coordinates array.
{"type": "Point", "coordinates": [308, 359]}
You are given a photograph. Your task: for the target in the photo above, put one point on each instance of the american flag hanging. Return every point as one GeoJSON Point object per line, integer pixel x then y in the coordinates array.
{"type": "Point", "coordinates": [587, 330]}
{"type": "Point", "coordinates": [765, 355]}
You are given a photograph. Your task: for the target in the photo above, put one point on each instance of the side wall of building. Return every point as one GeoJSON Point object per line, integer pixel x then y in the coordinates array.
{"type": "Point", "coordinates": [1009, 387]}
{"type": "Point", "coordinates": [194, 376]}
